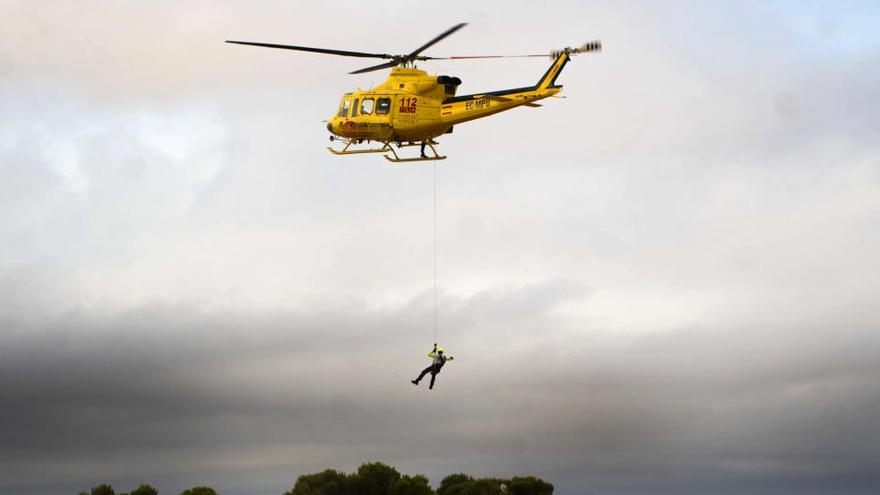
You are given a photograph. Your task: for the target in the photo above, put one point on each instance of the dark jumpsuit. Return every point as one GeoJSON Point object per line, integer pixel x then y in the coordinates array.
{"type": "Point", "coordinates": [439, 361]}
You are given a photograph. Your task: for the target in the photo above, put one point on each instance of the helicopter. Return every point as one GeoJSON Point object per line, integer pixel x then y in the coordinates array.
{"type": "Point", "coordinates": [412, 108]}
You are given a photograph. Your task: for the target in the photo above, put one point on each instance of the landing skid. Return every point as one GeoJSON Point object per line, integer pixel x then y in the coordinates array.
{"type": "Point", "coordinates": [387, 147]}
{"type": "Point", "coordinates": [423, 158]}
{"type": "Point", "coordinates": [349, 142]}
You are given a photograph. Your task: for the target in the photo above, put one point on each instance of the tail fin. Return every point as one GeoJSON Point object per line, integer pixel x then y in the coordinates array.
{"type": "Point", "coordinates": [549, 78]}
{"type": "Point", "coordinates": [561, 58]}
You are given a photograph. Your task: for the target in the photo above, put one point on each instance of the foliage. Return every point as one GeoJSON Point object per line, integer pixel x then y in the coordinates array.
{"type": "Point", "coordinates": [106, 489]}
{"type": "Point", "coordinates": [199, 490]}
{"type": "Point", "coordinates": [530, 486]}
{"type": "Point", "coordinates": [411, 485]}
{"type": "Point", "coordinates": [452, 480]}
{"type": "Point", "coordinates": [103, 489]}
{"type": "Point", "coordinates": [482, 486]}
{"type": "Point", "coordinates": [144, 490]}
{"type": "Point", "coordinates": [328, 482]}
{"type": "Point", "coordinates": [375, 478]}
{"type": "Point", "coordinates": [460, 484]}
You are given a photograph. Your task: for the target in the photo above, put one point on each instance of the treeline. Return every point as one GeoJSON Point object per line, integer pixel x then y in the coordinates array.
{"type": "Point", "coordinates": [376, 478]}
{"type": "Point", "coordinates": [106, 489]}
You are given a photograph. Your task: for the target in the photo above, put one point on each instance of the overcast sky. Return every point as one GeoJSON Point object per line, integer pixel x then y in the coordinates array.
{"type": "Point", "coordinates": [666, 283]}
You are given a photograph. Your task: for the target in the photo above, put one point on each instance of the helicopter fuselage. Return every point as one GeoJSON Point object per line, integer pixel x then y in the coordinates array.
{"type": "Point", "coordinates": [414, 106]}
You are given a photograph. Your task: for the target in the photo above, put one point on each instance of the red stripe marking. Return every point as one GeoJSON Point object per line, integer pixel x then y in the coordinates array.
{"type": "Point", "coordinates": [446, 113]}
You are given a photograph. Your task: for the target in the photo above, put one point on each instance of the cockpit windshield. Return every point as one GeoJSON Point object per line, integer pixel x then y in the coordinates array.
{"type": "Point", "coordinates": [343, 108]}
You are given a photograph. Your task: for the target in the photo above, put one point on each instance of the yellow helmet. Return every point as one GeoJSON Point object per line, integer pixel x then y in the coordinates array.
{"type": "Point", "coordinates": [439, 349]}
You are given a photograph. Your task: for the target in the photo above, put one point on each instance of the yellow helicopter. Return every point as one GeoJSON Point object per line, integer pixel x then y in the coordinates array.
{"type": "Point", "coordinates": [412, 108]}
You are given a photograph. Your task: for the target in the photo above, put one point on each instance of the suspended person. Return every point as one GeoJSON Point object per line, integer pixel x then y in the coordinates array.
{"type": "Point", "coordinates": [439, 359]}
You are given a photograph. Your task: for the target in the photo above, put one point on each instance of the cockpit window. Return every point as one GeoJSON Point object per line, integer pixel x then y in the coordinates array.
{"type": "Point", "coordinates": [367, 106]}
{"type": "Point", "coordinates": [383, 105]}
{"type": "Point", "coordinates": [346, 104]}
{"type": "Point", "coordinates": [354, 108]}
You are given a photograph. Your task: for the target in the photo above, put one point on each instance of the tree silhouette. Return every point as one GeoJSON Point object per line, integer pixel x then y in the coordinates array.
{"type": "Point", "coordinates": [199, 490]}
{"type": "Point", "coordinates": [375, 478]}
{"type": "Point", "coordinates": [411, 485]}
{"type": "Point", "coordinates": [104, 489]}
{"type": "Point", "coordinates": [327, 482]}
{"type": "Point", "coordinates": [452, 480]}
{"type": "Point", "coordinates": [530, 486]}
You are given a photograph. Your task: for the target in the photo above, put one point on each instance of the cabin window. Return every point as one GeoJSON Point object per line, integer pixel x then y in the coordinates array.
{"type": "Point", "coordinates": [354, 108]}
{"type": "Point", "coordinates": [367, 106]}
{"type": "Point", "coordinates": [383, 105]}
{"type": "Point", "coordinates": [346, 104]}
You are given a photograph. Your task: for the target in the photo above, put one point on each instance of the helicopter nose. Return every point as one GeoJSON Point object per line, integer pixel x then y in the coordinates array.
{"type": "Point", "coordinates": [329, 127]}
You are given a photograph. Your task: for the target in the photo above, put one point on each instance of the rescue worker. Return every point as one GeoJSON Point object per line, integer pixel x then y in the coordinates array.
{"type": "Point", "coordinates": [439, 359]}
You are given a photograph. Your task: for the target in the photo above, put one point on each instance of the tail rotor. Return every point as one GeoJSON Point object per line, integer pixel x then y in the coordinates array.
{"type": "Point", "coordinates": [590, 46]}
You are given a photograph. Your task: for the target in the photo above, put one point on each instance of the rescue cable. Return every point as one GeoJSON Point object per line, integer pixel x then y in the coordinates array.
{"type": "Point", "coordinates": [435, 252]}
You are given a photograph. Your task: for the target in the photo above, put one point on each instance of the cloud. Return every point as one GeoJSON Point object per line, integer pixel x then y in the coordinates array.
{"type": "Point", "coordinates": [220, 394]}
{"type": "Point", "coordinates": [665, 283]}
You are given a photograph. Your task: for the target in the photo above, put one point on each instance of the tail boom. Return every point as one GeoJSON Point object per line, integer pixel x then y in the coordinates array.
{"type": "Point", "coordinates": [470, 107]}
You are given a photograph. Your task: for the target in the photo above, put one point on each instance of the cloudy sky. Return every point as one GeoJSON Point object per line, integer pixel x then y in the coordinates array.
{"type": "Point", "coordinates": [666, 283]}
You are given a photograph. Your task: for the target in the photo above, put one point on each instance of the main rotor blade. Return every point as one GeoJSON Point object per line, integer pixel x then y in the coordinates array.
{"type": "Point", "coordinates": [345, 53]}
{"type": "Point", "coordinates": [427, 45]}
{"type": "Point", "coordinates": [384, 65]}
{"type": "Point", "coordinates": [464, 57]}
{"type": "Point", "coordinates": [590, 46]}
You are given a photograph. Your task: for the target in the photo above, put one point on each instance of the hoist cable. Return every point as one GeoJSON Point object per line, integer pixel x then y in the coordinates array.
{"type": "Point", "coordinates": [435, 252]}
